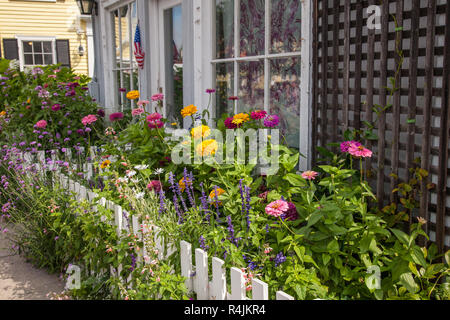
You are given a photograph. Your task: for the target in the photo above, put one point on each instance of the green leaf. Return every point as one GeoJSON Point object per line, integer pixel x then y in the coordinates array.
{"type": "Point", "coordinates": [407, 280]}
{"type": "Point", "coordinates": [403, 237]}
{"type": "Point", "coordinates": [333, 246]}
{"type": "Point", "coordinates": [417, 257]}
{"type": "Point", "coordinates": [295, 180]}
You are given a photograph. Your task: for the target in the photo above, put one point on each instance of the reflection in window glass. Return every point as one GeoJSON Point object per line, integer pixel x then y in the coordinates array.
{"type": "Point", "coordinates": [224, 29]}
{"type": "Point", "coordinates": [251, 86]}
{"type": "Point", "coordinates": [224, 88]}
{"type": "Point", "coordinates": [173, 46]}
{"type": "Point", "coordinates": [285, 31]}
{"type": "Point", "coordinates": [252, 27]}
{"type": "Point", "coordinates": [285, 96]}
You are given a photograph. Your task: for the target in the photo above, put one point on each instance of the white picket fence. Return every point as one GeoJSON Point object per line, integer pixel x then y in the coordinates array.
{"type": "Point", "coordinates": [197, 273]}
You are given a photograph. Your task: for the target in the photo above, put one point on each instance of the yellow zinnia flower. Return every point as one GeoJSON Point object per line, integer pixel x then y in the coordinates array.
{"type": "Point", "coordinates": [200, 132]}
{"type": "Point", "coordinates": [240, 118]}
{"type": "Point", "coordinates": [188, 111]}
{"type": "Point", "coordinates": [207, 147]}
{"type": "Point", "coordinates": [212, 195]}
{"type": "Point", "coordinates": [132, 95]}
{"type": "Point", "coordinates": [182, 183]}
{"type": "Point", "coordinates": [3, 113]}
{"type": "Point", "coordinates": [105, 164]}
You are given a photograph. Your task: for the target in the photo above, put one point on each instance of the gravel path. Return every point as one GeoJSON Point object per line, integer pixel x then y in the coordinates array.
{"type": "Point", "coordinates": [19, 280]}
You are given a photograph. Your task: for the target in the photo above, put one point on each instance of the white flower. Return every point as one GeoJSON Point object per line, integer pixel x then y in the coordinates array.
{"type": "Point", "coordinates": [122, 180]}
{"type": "Point", "coordinates": [131, 173]}
{"type": "Point", "coordinates": [159, 171]}
{"type": "Point", "coordinates": [141, 167]}
{"type": "Point", "coordinates": [140, 195]}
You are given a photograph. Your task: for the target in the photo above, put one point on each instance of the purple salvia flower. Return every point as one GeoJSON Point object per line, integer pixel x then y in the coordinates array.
{"type": "Point", "coordinates": [162, 207]}
{"type": "Point", "coordinates": [231, 231]}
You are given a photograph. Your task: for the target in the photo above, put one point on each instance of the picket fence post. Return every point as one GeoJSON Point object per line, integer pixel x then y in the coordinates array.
{"type": "Point", "coordinates": [218, 289]}
{"type": "Point", "coordinates": [201, 274]}
{"type": "Point", "coordinates": [237, 284]}
{"type": "Point", "coordinates": [186, 263]}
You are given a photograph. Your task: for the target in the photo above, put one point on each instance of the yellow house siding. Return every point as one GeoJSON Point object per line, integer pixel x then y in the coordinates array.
{"type": "Point", "coordinates": [58, 19]}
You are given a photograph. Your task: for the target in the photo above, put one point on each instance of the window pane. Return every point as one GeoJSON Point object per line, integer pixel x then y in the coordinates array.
{"type": "Point", "coordinates": [37, 46]}
{"type": "Point", "coordinates": [48, 59]}
{"type": "Point", "coordinates": [285, 96]}
{"type": "Point", "coordinates": [27, 46]}
{"type": "Point", "coordinates": [251, 86]}
{"type": "Point", "coordinates": [224, 88]}
{"type": "Point", "coordinates": [38, 59]}
{"type": "Point", "coordinates": [286, 24]}
{"type": "Point", "coordinates": [28, 59]}
{"type": "Point", "coordinates": [252, 27]}
{"type": "Point", "coordinates": [47, 46]}
{"type": "Point", "coordinates": [224, 29]}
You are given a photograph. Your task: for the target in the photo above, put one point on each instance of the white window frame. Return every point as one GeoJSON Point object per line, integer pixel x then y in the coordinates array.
{"type": "Point", "coordinates": [22, 38]}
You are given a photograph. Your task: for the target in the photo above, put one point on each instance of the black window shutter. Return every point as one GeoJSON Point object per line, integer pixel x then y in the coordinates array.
{"type": "Point", "coordinates": [63, 52]}
{"type": "Point", "coordinates": [11, 49]}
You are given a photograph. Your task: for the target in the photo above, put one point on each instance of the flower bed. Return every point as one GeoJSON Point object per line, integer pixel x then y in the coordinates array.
{"type": "Point", "coordinates": [312, 235]}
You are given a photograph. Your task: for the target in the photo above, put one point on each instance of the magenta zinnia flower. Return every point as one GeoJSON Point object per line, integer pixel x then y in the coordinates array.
{"type": "Point", "coordinates": [154, 116]}
{"type": "Point", "coordinates": [116, 116]}
{"type": "Point", "coordinates": [56, 107]}
{"type": "Point", "coordinates": [88, 119]}
{"type": "Point", "coordinates": [233, 98]}
{"type": "Point", "coordinates": [309, 175]}
{"type": "Point", "coordinates": [291, 214]}
{"type": "Point", "coordinates": [154, 185]}
{"type": "Point", "coordinates": [155, 124]}
{"type": "Point", "coordinates": [359, 151]}
{"type": "Point", "coordinates": [258, 114]}
{"type": "Point", "coordinates": [229, 123]}
{"type": "Point", "coordinates": [136, 112]}
{"type": "Point", "coordinates": [41, 124]}
{"type": "Point", "coordinates": [210, 91]}
{"type": "Point", "coordinates": [346, 144]}
{"type": "Point", "coordinates": [277, 208]}
{"type": "Point", "coordinates": [122, 90]}
{"type": "Point", "coordinates": [271, 121]}
{"type": "Point", "coordinates": [101, 112]}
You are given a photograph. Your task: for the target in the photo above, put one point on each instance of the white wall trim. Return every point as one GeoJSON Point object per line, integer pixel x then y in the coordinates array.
{"type": "Point", "coordinates": [305, 86]}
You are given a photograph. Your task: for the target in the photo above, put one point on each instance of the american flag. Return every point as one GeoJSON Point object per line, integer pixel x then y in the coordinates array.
{"type": "Point", "coordinates": [138, 52]}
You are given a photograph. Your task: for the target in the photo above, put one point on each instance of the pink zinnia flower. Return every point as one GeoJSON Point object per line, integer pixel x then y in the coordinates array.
{"type": "Point", "coordinates": [89, 119]}
{"type": "Point", "coordinates": [229, 123]}
{"type": "Point", "coordinates": [154, 185]}
{"type": "Point", "coordinates": [309, 175]}
{"type": "Point", "coordinates": [346, 144]}
{"type": "Point", "coordinates": [143, 102]}
{"type": "Point", "coordinates": [41, 124]}
{"type": "Point", "coordinates": [277, 208]}
{"type": "Point", "coordinates": [136, 112]}
{"type": "Point", "coordinates": [359, 151]}
{"type": "Point", "coordinates": [271, 121]}
{"type": "Point", "coordinates": [258, 114]}
{"type": "Point", "coordinates": [154, 117]}
{"type": "Point", "coordinates": [157, 97]}
{"type": "Point", "coordinates": [116, 116]}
